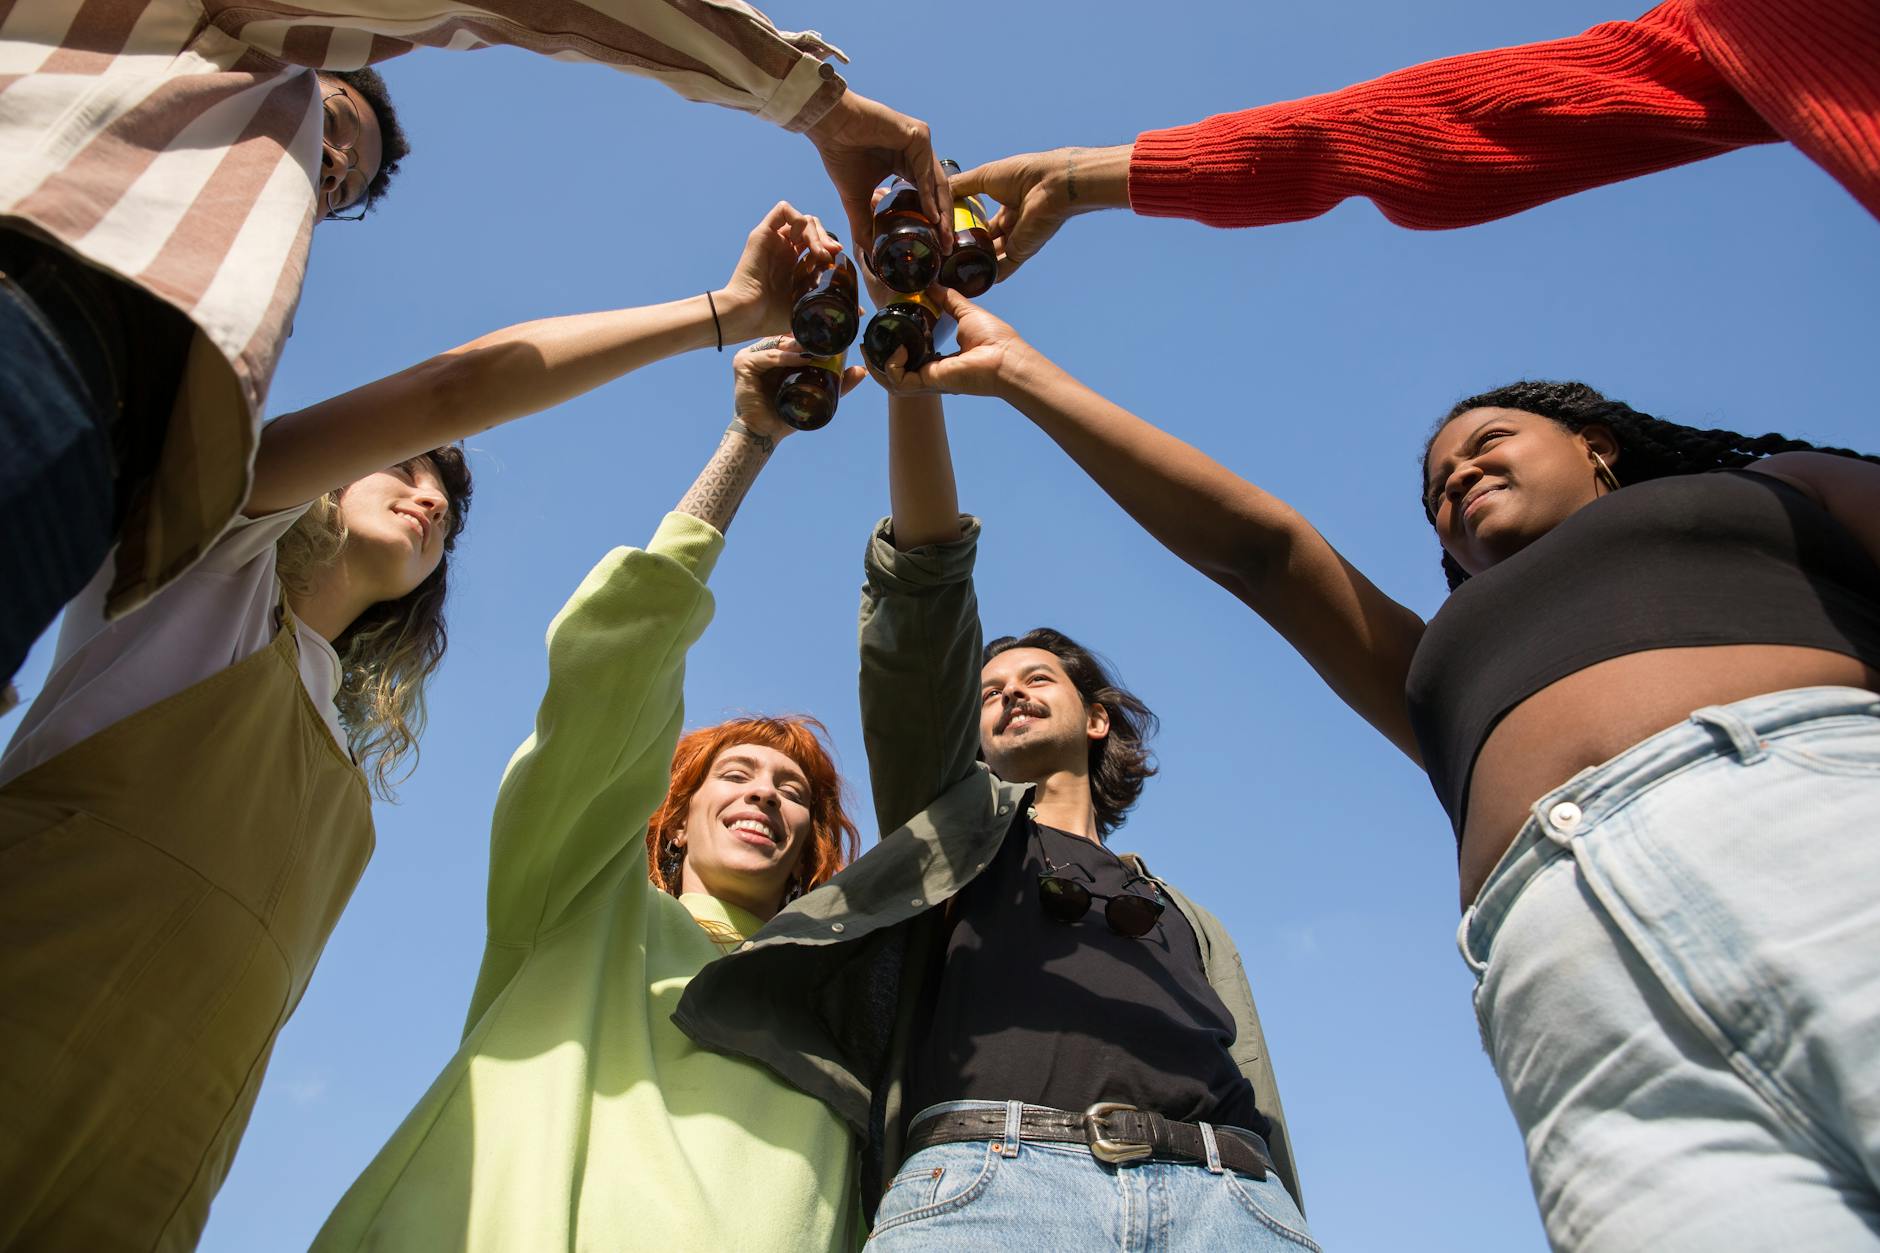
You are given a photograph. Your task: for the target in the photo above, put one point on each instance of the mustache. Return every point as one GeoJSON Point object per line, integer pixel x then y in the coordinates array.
{"type": "Point", "coordinates": [1022, 707]}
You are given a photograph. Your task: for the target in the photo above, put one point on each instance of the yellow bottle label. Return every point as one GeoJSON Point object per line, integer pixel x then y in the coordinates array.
{"type": "Point", "coordinates": [968, 213]}
{"type": "Point", "coordinates": [833, 364]}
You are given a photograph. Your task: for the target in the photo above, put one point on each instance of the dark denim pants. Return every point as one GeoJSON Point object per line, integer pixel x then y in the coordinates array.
{"type": "Point", "coordinates": [56, 483]}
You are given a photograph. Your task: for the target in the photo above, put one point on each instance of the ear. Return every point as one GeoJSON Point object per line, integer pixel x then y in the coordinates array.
{"type": "Point", "coordinates": [1601, 440]}
{"type": "Point", "coordinates": [1096, 720]}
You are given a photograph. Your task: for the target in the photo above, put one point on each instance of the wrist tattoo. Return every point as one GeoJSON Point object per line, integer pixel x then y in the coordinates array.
{"type": "Point", "coordinates": [766, 442]}
{"type": "Point", "coordinates": [720, 487]}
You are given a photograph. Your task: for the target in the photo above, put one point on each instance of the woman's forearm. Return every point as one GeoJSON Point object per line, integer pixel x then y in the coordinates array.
{"type": "Point", "coordinates": [491, 380]}
{"type": "Point", "coordinates": [721, 486]}
{"type": "Point", "coordinates": [920, 473]}
{"type": "Point", "coordinates": [1204, 513]}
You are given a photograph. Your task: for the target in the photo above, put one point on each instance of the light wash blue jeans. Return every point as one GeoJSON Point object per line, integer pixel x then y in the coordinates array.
{"type": "Point", "coordinates": [1036, 1197]}
{"type": "Point", "coordinates": [1678, 979]}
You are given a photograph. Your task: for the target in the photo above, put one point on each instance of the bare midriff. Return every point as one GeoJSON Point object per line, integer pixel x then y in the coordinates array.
{"type": "Point", "coordinates": [1599, 712]}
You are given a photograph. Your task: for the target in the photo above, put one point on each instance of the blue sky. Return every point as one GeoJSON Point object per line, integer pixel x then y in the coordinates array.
{"type": "Point", "coordinates": [1312, 358]}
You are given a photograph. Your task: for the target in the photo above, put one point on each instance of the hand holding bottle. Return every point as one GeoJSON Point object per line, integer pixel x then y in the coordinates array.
{"type": "Point", "coordinates": [861, 142]}
{"type": "Point", "coordinates": [778, 388]}
{"type": "Point", "coordinates": [1039, 191]}
{"type": "Point", "coordinates": [757, 298]}
{"type": "Point", "coordinates": [990, 356]}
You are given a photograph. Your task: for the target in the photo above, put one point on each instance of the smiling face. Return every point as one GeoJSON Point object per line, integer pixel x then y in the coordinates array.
{"type": "Point", "coordinates": [1496, 480]}
{"type": "Point", "coordinates": [746, 828]}
{"type": "Point", "coordinates": [396, 522]}
{"type": "Point", "coordinates": [1033, 722]}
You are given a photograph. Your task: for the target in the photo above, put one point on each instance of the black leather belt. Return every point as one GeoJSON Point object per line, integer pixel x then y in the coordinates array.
{"type": "Point", "coordinates": [1113, 1132]}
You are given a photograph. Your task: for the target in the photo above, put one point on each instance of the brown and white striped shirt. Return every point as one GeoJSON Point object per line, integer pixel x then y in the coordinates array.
{"type": "Point", "coordinates": [176, 144]}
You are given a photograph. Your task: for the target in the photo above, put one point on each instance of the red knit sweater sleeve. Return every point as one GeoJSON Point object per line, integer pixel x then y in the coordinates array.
{"type": "Point", "coordinates": [1462, 140]}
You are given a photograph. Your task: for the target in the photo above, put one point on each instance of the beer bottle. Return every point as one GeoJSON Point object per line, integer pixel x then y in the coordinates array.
{"type": "Point", "coordinates": [825, 315]}
{"type": "Point", "coordinates": [806, 395]}
{"type": "Point", "coordinates": [907, 323]}
{"type": "Point", "coordinates": [906, 252]}
{"type": "Point", "coordinates": [972, 265]}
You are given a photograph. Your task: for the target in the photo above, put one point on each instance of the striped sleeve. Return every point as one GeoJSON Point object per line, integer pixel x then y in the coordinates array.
{"type": "Point", "coordinates": [717, 51]}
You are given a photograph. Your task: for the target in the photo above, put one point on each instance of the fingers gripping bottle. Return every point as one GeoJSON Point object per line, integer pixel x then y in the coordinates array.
{"type": "Point", "coordinates": [972, 265]}
{"type": "Point", "coordinates": [906, 252]}
{"type": "Point", "coordinates": [907, 323]}
{"type": "Point", "coordinates": [825, 315]}
{"type": "Point", "coordinates": [806, 395]}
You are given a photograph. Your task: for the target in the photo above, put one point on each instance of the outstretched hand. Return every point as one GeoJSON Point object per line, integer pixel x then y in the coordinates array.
{"type": "Point", "coordinates": [989, 349]}
{"type": "Point", "coordinates": [758, 294]}
{"type": "Point", "coordinates": [1039, 191]}
{"type": "Point", "coordinates": [754, 374]}
{"type": "Point", "coordinates": [862, 141]}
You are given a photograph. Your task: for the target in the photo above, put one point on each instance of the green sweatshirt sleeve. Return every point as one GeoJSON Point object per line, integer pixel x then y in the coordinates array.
{"type": "Point", "coordinates": [580, 790]}
{"type": "Point", "coordinates": [920, 646]}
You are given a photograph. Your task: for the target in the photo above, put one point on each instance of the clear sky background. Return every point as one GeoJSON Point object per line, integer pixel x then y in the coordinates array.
{"type": "Point", "coordinates": [1312, 358]}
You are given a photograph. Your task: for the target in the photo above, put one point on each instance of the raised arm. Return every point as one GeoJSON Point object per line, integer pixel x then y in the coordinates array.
{"type": "Point", "coordinates": [719, 53]}
{"type": "Point", "coordinates": [521, 370]}
{"type": "Point", "coordinates": [920, 634]}
{"type": "Point", "coordinates": [577, 795]}
{"type": "Point", "coordinates": [1250, 542]}
{"type": "Point", "coordinates": [1475, 137]}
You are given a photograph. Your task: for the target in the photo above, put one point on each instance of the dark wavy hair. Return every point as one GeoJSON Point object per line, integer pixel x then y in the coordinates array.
{"type": "Point", "coordinates": [391, 135]}
{"type": "Point", "coordinates": [1120, 762]}
{"type": "Point", "coordinates": [1651, 448]}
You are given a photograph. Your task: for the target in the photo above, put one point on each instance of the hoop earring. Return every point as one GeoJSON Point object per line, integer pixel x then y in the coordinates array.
{"type": "Point", "coordinates": [1604, 474]}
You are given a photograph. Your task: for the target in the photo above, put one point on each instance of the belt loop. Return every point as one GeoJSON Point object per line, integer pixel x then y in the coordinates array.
{"type": "Point", "coordinates": [1214, 1149]}
{"type": "Point", "coordinates": [1014, 1115]}
{"type": "Point", "coordinates": [1479, 968]}
{"type": "Point", "coordinates": [1749, 746]}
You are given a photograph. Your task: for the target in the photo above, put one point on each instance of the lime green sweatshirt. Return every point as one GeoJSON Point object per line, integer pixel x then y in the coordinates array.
{"type": "Point", "coordinates": [575, 1115]}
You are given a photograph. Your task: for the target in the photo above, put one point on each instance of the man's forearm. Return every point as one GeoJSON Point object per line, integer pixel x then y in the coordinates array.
{"type": "Point", "coordinates": [721, 486]}
{"type": "Point", "coordinates": [920, 473]}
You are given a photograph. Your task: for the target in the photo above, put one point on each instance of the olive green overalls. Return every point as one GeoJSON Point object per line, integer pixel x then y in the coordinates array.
{"type": "Point", "coordinates": [166, 887]}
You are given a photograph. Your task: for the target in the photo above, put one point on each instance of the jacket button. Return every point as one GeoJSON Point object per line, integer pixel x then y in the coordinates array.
{"type": "Point", "coordinates": [1005, 808]}
{"type": "Point", "coordinates": [917, 902]}
{"type": "Point", "coordinates": [1565, 816]}
{"type": "Point", "coordinates": [836, 927]}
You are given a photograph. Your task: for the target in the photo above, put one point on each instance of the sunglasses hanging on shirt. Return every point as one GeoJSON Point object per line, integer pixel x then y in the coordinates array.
{"type": "Point", "coordinates": [1066, 900]}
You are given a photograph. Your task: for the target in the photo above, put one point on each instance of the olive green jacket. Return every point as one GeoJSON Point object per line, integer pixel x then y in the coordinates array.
{"type": "Point", "coordinates": [826, 994]}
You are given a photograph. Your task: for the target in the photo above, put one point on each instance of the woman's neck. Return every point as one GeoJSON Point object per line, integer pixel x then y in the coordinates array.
{"type": "Point", "coordinates": [334, 602]}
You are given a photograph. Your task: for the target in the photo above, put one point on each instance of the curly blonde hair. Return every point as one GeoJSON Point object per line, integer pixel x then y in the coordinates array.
{"type": "Point", "coordinates": [391, 649]}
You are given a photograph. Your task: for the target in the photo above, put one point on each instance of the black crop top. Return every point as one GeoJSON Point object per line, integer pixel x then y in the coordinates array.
{"type": "Point", "coordinates": [1730, 557]}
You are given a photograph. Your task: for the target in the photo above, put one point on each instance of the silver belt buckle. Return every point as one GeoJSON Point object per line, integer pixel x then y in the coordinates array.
{"type": "Point", "coordinates": [1102, 1147]}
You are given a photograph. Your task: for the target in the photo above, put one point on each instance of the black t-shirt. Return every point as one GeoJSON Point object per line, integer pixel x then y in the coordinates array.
{"type": "Point", "coordinates": [1068, 1014]}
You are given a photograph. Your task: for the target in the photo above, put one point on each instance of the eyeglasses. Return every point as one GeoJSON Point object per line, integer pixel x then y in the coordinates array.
{"type": "Point", "coordinates": [1066, 900]}
{"type": "Point", "coordinates": [342, 133]}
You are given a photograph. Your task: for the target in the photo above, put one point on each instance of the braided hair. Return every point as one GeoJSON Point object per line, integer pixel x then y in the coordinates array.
{"type": "Point", "coordinates": [1652, 447]}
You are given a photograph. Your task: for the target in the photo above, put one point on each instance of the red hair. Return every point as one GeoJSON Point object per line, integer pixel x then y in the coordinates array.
{"type": "Point", "coordinates": [834, 840]}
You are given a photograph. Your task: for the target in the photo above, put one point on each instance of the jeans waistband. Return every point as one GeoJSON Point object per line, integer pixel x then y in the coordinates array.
{"type": "Point", "coordinates": [1016, 1109]}
{"type": "Point", "coordinates": [1741, 729]}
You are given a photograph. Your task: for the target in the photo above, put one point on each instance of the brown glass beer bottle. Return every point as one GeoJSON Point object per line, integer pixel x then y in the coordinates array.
{"type": "Point", "coordinates": [825, 316]}
{"type": "Point", "coordinates": [806, 395]}
{"type": "Point", "coordinates": [907, 323]}
{"type": "Point", "coordinates": [906, 252]}
{"type": "Point", "coordinates": [972, 265]}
